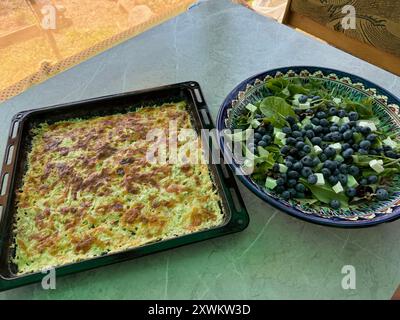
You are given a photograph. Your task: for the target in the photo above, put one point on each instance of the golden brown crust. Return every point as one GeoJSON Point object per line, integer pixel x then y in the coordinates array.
{"type": "Point", "coordinates": [89, 190]}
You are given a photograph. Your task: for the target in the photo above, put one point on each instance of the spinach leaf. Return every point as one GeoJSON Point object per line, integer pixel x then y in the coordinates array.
{"type": "Point", "coordinates": [326, 194]}
{"type": "Point", "coordinates": [276, 109]}
{"type": "Point", "coordinates": [277, 85]}
{"type": "Point", "coordinates": [364, 107]}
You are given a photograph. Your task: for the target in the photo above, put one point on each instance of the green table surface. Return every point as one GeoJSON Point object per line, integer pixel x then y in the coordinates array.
{"type": "Point", "coordinates": [219, 44]}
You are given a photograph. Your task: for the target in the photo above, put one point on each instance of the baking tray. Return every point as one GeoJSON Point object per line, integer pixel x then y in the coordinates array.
{"type": "Point", "coordinates": [15, 160]}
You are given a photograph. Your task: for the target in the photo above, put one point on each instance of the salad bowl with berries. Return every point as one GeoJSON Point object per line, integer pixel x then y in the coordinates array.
{"type": "Point", "coordinates": [325, 144]}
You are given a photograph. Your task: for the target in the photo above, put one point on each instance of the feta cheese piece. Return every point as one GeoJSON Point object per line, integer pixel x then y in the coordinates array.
{"type": "Point", "coordinates": [389, 142]}
{"type": "Point", "coordinates": [282, 168]}
{"type": "Point", "coordinates": [255, 123]}
{"type": "Point", "coordinates": [335, 119]}
{"type": "Point", "coordinates": [338, 187]}
{"type": "Point", "coordinates": [317, 149]}
{"type": "Point", "coordinates": [344, 120]}
{"type": "Point", "coordinates": [251, 107]}
{"type": "Point", "coordinates": [337, 146]}
{"type": "Point", "coordinates": [337, 100]}
{"type": "Point", "coordinates": [270, 183]}
{"type": "Point", "coordinates": [320, 179]}
{"type": "Point", "coordinates": [377, 165]}
{"type": "Point", "coordinates": [367, 123]}
{"type": "Point", "coordinates": [351, 181]}
{"type": "Point", "coordinates": [280, 135]}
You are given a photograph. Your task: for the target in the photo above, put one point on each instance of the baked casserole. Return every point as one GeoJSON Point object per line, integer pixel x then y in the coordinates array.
{"type": "Point", "coordinates": [89, 189]}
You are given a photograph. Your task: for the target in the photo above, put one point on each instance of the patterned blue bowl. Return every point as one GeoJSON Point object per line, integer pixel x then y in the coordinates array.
{"type": "Point", "coordinates": [385, 106]}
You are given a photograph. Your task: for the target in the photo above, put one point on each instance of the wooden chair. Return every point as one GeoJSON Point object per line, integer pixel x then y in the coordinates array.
{"type": "Point", "coordinates": [375, 39]}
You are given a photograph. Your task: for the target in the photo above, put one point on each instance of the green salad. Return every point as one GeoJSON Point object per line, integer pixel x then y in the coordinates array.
{"type": "Point", "coordinates": [319, 148]}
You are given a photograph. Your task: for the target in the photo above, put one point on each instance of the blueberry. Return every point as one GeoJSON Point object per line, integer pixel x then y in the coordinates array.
{"type": "Point", "coordinates": [298, 166]}
{"type": "Point", "coordinates": [286, 130]}
{"type": "Point", "coordinates": [364, 182]}
{"type": "Point", "coordinates": [331, 165]}
{"type": "Point", "coordinates": [330, 152]}
{"type": "Point", "coordinates": [372, 179]}
{"type": "Point", "coordinates": [315, 121]}
{"type": "Point", "coordinates": [308, 127]}
{"type": "Point", "coordinates": [280, 181]}
{"type": "Point", "coordinates": [286, 195]}
{"type": "Point", "coordinates": [310, 134]}
{"type": "Point", "coordinates": [293, 174]}
{"type": "Point", "coordinates": [293, 152]}
{"type": "Point", "coordinates": [328, 137]}
{"type": "Point", "coordinates": [332, 111]}
{"type": "Point", "coordinates": [296, 134]}
{"type": "Point", "coordinates": [279, 189]}
{"type": "Point", "coordinates": [261, 130]}
{"type": "Point", "coordinates": [323, 157]}
{"type": "Point", "coordinates": [333, 180]}
{"type": "Point", "coordinates": [335, 204]}
{"type": "Point", "coordinates": [336, 136]}
{"type": "Point", "coordinates": [300, 145]}
{"type": "Point", "coordinates": [365, 144]}
{"type": "Point", "coordinates": [391, 154]}
{"type": "Point", "coordinates": [334, 128]}
{"type": "Point", "coordinates": [290, 140]}
{"type": "Point", "coordinates": [315, 98]}
{"type": "Point", "coordinates": [325, 130]}
{"type": "Point", "coordinates": [336, 172]}
{"type": "Point", "coordinates": [342, 113]}
{"type": "Point", "coordinates": [291, 120]}
{"type": "Point", "coordinates": [259, 116]}
{"type": "Point", "coordinates": [387, 148]}
{"type": "Point", "coordinates": [302, 99]}
{"type": "Point", "coordinates": [354, 171]}
{"type": "Point", "coordinates": [348, 135]}
{"type": "Point", "coordinates": [300, 187]}
{"type": "Point", "coordinates": [344, 128]}
{"type": "Point", "coordinates": [363, 152]}
{"type": "Point", "coordinates": [295, 127]}
{"type": "Point", "coordinates": [351, 192]}
{"type": "Point", "coordinates": [326, 172]}
{"type": "Point", "coordinates": [343, 179]}
{"type": "Point", "coordinates": [292, 192]}
{"type": "Point", "coordinates": [292, 182]}
{"type": "Point", "coordinates": [288, 163]}
{"type": "Point", "coordinates": [262, 143]}
{"type": "Point", "coordinates": [365, 130]}
{"type": "Point", "coordinates": [316, 161]}
{"type": "Point", "coordinates": [285, 150]}
{"type": "Point", "coordinates": [382, 194]}
{"type": "Point", "coordinates": [321, 115]}
{"type": "Point", "coordinates": [257, 136]}
{"type": "Point", "coordinates": [347, 153]}
{"type": "Point", "coordinates": [307, 161]}
{"type": "Point", "coordinates": [343, 168]}
{"type": "Point", "coordinates": [307, 148]}
{"type": "Point", "coordinates": [266, 138]}
{"type": "Point", "coordinates": [373, 152]}
{"type": "Point", "coordinates": [290, 158]}
{"type": "Point", "coordinates": [355, 146]}
{"type": "Point", "coordinates": [306, 172]}
{"type": "Point", "coordinates": [324, 122]}
{"type": "Point", "coordinates": [316, 140]}
{"type": "Point", "coordinates": [275, 167]}
{"type": "Point", "coordinates": [371, 137]}
{"type": "Point", "coordinates": [299, 139]}
{"type": "Point", "coordinates": [312, 179]}
{"type": "Point", "coordinates": [353, 116]}
{"type": "Point", "coordinates": [318, 129]}
{"type": "Point", "coordinates": [345, 146]}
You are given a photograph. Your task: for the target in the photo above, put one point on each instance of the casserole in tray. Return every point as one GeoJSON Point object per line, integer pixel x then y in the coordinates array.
{"type": "Point", "coordinates": [81, 192]}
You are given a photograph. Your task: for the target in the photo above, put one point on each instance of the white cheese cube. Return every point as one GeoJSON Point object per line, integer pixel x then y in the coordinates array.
{"type": "Point", "coordinates": [338, 187]}
{"type": "Point", "coordinates": [320, 179]}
